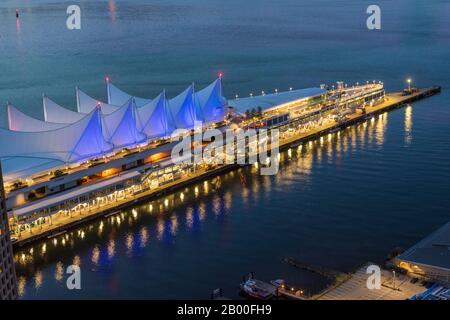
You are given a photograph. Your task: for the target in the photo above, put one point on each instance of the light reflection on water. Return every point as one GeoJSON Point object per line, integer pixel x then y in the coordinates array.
{"type": "Point", "coordinates": [112, 10]}
{"type": "Point", "coordinates": [408, 124]}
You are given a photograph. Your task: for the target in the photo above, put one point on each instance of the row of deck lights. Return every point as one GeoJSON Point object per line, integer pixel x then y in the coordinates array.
{"type": "Point", "coordinates": [321, 140]}
{"type": "Point", "coordinates": [117, 218]}
{"type": "Point", "coordinates": [263, 93]}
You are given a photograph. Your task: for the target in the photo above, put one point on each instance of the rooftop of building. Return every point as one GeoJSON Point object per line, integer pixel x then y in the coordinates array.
{"type": "Point", "coordinates": [432, 251]}
{"type": "Point", "coordinates": [268, 101]}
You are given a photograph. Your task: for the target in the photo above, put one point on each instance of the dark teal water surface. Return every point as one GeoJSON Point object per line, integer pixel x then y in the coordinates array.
{"type": "Point", "coordinates": [338, 204]}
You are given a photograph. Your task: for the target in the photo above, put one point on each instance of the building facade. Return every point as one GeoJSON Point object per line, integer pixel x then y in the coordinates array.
{"type": "Point", "coordinates": [8, 280]}
{"type": "Point", "coordinates": [429, 258]}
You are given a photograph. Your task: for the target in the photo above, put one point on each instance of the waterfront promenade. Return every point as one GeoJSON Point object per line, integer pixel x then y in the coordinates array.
{"type": "Point", "coordinates": [287, 140]}
{"type": "Point", "coordinates": [399, 287]}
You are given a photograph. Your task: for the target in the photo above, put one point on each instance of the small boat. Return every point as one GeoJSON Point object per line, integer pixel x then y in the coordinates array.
{"type": "Point", "coordinates": [258, 289]}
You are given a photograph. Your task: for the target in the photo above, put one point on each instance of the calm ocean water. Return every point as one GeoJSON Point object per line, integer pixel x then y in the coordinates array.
{"type": "Point", "coordinates": [339, 204]}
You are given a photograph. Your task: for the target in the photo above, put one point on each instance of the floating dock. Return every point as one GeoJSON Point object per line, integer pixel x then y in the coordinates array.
{"type": "Point", "coordinates": [393, 101]}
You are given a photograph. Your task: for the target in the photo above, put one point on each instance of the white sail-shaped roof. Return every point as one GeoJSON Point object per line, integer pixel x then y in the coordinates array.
{"type": "Point", "coordinates": [19, 121]}
{"type": "Point", "coordinates": [72, 143]}
{"type": "Point", "coordinates": [184, 110]}
{"type": "Point", "coordinates": [155, 118]}
{"type": "Point", "coordinates": [120, 127]}
{"type": "Point", "coordinates": [211, 102]}
{"type": "Point", "coordinates": [118, 97]}
{"type": "Point", "coordinates": [53, 112]}
{"type": "Point", "coordinates": [85, 103]}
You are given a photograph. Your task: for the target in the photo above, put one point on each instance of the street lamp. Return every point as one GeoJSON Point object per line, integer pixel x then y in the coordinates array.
{"type": "Point", "coordinates": [393, 280]}
{"type": "Point", "coordinates": [409, 84]}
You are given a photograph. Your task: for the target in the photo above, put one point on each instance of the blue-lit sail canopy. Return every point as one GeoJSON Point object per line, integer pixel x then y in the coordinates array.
{"type": "Point", "coordinates": [155, 118]}
{"type": "Point", "coordinates": [120, 127]}
{"type": "Point", "coordinates": [81, 140]}
{"type": "Point", "coordinates": [91, 142]}
{"type": "Point", "coordinates": [211, 102]}
{"type": "Point", "coordinates": [85, 103]}
{"type": "Point", "coordinates": [184, 110]}
{"type": "Point", "coordinates": [119, 97]}
{"type": "Point", "coordinates": [19, 121]}
{"type": "Point", "coordinates": [67, 136]}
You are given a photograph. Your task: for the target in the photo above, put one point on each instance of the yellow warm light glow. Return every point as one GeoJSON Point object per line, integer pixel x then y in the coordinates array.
{"type": "Point", "coordinates": [110, 172]}
{"type": "Point", "coordinates": [156, 157]}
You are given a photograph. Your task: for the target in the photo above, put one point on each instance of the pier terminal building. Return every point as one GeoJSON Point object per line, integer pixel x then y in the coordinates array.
{"type": "Point", "coordinates": [71, 162]}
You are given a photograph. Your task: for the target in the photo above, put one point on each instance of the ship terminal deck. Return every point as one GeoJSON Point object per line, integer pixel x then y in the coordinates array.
{"type": "Point", "coordinates": [393, 100]}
